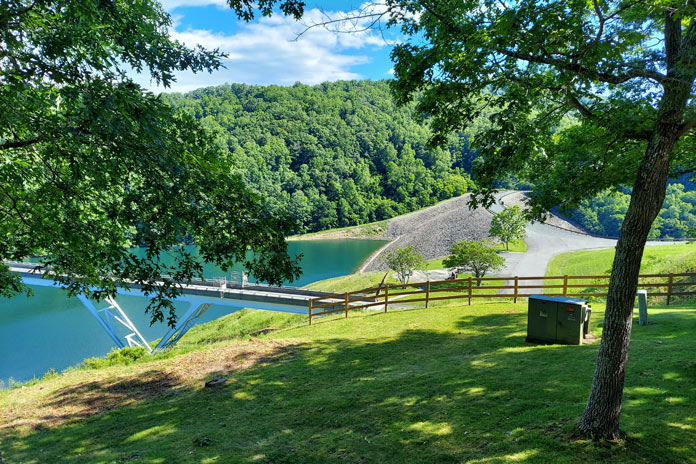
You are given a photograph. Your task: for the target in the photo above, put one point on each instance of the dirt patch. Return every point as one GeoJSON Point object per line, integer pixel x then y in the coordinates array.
{"type": "Point", "coordinates": [201, 364]}
{"type": "Point", "coordinates": [42, 406]}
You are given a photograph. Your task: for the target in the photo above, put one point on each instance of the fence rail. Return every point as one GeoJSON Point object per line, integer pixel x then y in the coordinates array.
{"type": "Point", "coordinates": [470, 288]}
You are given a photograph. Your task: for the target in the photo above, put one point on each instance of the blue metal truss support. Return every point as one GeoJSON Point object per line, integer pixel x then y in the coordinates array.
{"type": "Point", "coordinates": [108, 328]}
{"type": "Point", "coordinates": [185, 323]}
{"type": "Point", "coordinates": [199, 305]}
{"type": "Point", "coordinates": [105, 316]}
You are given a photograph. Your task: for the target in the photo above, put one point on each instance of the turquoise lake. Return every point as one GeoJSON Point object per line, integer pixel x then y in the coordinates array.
{"type": "Point", "coordinates": [51, 331]}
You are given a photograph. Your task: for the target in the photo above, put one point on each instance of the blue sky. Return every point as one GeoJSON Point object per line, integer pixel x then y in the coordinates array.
{"type": "Point", "coordinates": [264, 51]}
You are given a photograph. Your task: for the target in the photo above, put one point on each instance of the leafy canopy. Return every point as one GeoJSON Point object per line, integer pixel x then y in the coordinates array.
{"type": "Point", "coordinates": [91, 164]}
{"type": "Point", "coordinates": [403, 261]}
{"type": "Point", "coordinates": [587, 95]}
{"type": "Point", "coordinates": [330, 155]}
{"type": "Point", "coordinates": [478, 258]}
{"type": "Point", "coordinates": [575, 86]}
{"type": "Point", "coordinates": [508, 225]}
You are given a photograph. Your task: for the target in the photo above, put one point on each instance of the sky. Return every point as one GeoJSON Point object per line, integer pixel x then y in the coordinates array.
{"type": "Point", "coordinates": [268, 51]}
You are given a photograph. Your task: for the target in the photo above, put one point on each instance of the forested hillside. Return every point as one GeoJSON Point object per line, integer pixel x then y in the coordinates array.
{"type": "Point", "coordinates": [343, 153]}
{"type": "Point", "coordinates": [604, 214]}
{"type": "Point", "coordinates": [331, 155]}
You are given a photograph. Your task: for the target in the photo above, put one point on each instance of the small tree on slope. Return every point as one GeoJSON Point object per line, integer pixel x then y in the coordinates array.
{"type": "Point", "coordinates": [508, 225]}
{"type": "Point", "coordinates": [403, 261]}
{"type": "Point", "coordinates": [479, 258]}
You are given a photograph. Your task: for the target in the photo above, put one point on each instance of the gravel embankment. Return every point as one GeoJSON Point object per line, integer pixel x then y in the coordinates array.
{"type": "Point", "coordinates": [517, 198]}
{"type": "Point", "coordinates": [434, 230]}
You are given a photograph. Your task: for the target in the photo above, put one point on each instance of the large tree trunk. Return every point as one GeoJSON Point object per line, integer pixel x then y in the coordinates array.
{"type": "Point", "coordinates": [603, 409]}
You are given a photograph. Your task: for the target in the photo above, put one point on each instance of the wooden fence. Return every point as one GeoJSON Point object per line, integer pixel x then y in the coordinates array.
{"type": "Point", "coordinates": [663, 285]}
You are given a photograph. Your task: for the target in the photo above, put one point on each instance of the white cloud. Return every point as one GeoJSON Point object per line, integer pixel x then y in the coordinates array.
{"type": "Point", "coordinates": [268, 51]}
{"type": "Point", "coordinates": [169, 5]}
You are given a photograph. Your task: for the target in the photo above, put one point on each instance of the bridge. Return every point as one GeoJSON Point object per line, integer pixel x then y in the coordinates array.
{"type": "Point", "coordinates": [200, 294]}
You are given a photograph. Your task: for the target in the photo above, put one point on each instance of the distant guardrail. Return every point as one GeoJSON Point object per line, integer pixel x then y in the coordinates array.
{"type": "Point", "coordinates": [419, 292]}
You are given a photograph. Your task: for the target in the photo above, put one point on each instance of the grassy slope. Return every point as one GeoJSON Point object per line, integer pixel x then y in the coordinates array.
{"type": "Point", "coordinates": [516, 246]}
{"type": "Point", "coordinates": [355, 282]}
{"type": "Point", "coordinates": [661, 259]}
{"type": "Point", "coordinates": [656, 259]}
{"type": "Point", "coordinates": [351, 282]}
{"type": "Point", "coordinates": [452, 384]}
{"type": "Point", "coordinates": [369, 230]}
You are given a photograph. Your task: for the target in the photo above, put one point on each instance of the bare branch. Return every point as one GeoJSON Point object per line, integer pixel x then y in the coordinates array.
{"type": "Point", "coordinates": [373, 21]}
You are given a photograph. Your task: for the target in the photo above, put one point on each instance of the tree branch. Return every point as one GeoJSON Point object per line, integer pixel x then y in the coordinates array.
{"type": "Point", "coordinates": [585, 112]}
{"type": "Point", "coordinates": [19, 143]}
{"type": "Point", "coordinates": [581, 108]}
{"type": "Point", "coordinates": [573, 65]}
{"type": "Point", "coordinates": [586, 72]}
{"type": "Point", "coordinates": [686, 127]}
{"type": "Point", "coordinates": [673, 40]}
{"type": "Point", "coordinates": [601, 19]}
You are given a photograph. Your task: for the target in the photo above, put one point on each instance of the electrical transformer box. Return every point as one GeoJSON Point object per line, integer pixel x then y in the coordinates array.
{"type": "Point", "coordinates": [557, 319]}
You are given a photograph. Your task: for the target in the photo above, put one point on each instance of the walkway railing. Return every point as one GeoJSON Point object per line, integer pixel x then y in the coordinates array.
{"type": "Point", "coordinates": [660, 285]}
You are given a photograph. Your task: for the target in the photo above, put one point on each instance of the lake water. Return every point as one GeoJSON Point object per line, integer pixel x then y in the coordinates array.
{"type": "Point", "coordinates": [50, 330]}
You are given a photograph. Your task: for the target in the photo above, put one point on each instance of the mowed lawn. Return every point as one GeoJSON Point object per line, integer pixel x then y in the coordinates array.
{"type": "Point", "coordinates": [659, 259]}
{"type": "Point", "coordinates": [448, 384]}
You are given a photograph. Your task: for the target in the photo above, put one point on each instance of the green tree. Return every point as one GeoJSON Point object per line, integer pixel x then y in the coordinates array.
{"type": "Point", "coordinates": [308, 139]}
{"type": "Point", "coordinates": [91, 164]}
{"type": "Point", "coordinates": [403, 261]}
{"type": "Point", "coordinates": [582, 96]}
{"type": "Point", "coordinates": [588, 95]}
{"type": "Point", "coordinates": [478, 258]}
{"type": "Point", "coordinates": [508, 225]}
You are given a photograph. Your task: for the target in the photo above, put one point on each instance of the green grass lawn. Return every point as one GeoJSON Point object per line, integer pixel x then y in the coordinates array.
{"type": "Point", "coordinates": [656, 260]}
{"type": "Point", "coordinates": [451, 384]}
{"type": "Point", "coordinates": [517, 246]}
{"type": "Point", "coordinates": [662, 259]}
{"type": "Point", "coordinates": [352, 282]}
{"type": "Point", "coordinates": [433, 264]}
{"type": "Point", "coordinates": [371, 229]}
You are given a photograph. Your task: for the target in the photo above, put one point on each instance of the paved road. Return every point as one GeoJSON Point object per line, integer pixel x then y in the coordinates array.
{"type": "Point", "coordinates": [543, 243]}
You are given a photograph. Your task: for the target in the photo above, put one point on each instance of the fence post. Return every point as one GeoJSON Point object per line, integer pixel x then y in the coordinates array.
{"type": "Point", "coordinates": [469, 291]}
{"type": "Point", "coordinates": [346, 303]}
{"type": "Point", "coordinates": [427, 294]}
{"type": "Point", "coordinates": [310, 311]}
{"type": "Point", "coordinates": [565, 285]}
{"type": "Point", "coordinates": [516, 291]}
{"type": "Point", "coordinates": [386, 298]}
{"type": "Point", "coordinates": [669, 287]}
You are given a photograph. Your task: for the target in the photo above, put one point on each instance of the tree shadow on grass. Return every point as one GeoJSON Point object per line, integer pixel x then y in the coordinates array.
{"type": "Point", "coordinates": [480, 395]}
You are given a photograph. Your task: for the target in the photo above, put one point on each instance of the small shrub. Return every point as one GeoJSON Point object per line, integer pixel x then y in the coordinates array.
{"type": "Point", "coordinates": [50, 374]}
{"type": "Point", "coordinates": [117, 357]}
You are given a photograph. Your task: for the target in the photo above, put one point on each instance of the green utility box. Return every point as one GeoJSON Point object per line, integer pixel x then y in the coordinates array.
{"type": "Point", "coordinates": [557, 319]}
